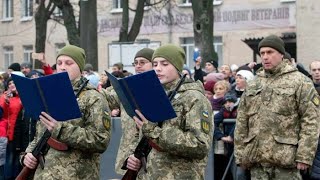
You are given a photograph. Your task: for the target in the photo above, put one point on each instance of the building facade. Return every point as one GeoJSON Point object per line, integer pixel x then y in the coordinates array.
{"type": "Point", "coordinates": [238, 27]}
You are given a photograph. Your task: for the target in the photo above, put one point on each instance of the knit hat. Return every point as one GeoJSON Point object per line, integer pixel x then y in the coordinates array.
{"type": "Point", "coordinates": [234, 67]}
{"type": "Point", "coordinates": [88, 67]}
{"type": "Point", "coordinates": [248, 75]}
{"type": "Point", "coordinates": [76, 53]}
{"type": "Point", "coordinates": [287, 56]}
{"type": "Point", "coordinates": [26, 65]}
{"type": "Point", "coordinates": [208, 86]}
{"type": "Point", "coordinates": [145, 53]}
{"type": "Point", "coordinates": [214, 77]}
{"type": "Point", "coordinates": [15, 67]}
{"type": "Point", "coordinates": [35, 72]}
{"type": "Point", "coordinates": [174, 54]}
{"type": "Point", "coordinates": [230, 96]}
{"type": "Point", "coordinates": [119, 65]}
{"type": "Point", "coordinates": [274, 42]}
{"type": "Point", "coordinates": [245, 68]}
{"type": "Point", "coordinates": [185, 67]}
{"type": "Point", "coordinates": [213, 62]}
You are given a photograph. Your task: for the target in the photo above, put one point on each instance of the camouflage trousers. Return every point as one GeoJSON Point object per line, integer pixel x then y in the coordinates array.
{"type": "Point", "coordinates": [274, 173]}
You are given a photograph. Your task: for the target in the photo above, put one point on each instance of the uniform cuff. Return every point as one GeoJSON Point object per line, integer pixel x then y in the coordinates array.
{"type": "Point", "coordinates": [56, 131]}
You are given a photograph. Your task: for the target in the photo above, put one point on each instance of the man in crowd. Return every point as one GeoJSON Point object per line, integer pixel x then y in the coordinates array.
{"type": "Point", "coordinates": [315, 73]}
{"type": "Point", "coordinates": [278, 118]}
{"type": "Point", "coordinates": [26, 68]}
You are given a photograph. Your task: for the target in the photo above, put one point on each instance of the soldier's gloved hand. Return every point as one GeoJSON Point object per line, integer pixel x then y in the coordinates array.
{"type": "Point", "coordinates": [48, 121]}
{"type": "Point", "coordinates": [133, 163]}
{"type": "Point", "coordinates": [30, 161]}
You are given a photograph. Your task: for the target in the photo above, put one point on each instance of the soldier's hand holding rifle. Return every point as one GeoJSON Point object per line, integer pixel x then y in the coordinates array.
{"type": "Point", "coordinates": [134, 163]}
{"type": "Point", "coordinates": [50, 123]}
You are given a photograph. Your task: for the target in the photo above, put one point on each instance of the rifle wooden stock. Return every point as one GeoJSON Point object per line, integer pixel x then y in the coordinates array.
{"type": "Point", "coordinates": [130, 175]}
{"type": "Point", "coordinates": [57, 145]}
{"type": "Point", "coordinates": [25, 173]}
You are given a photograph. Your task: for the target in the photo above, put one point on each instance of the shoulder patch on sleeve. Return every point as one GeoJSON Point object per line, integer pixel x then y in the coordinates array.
{"type": "Point", "coordinates": [205, 126]}
{"type": "Point", "coordinates": [205, 114]}
{"type": "Point", "coordinates": [106, 120]}
{"type": "Point", "coordinates": [315, 99]}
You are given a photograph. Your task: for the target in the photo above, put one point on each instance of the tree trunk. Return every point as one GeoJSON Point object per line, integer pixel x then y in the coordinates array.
{"type": "Point", "coordinates": [203, 28]}
{"type": "Point", "coordinates": [70, 23]}
{"type": "Point", "coordinates": [41, 18]}
{"type": "Point", "coordinates": [123, 36]}
{"type": "Point", "coordinates": [88, 31]}
{"type": "Point", "coordinates": [137, 21]}
{"type": "Point", "coordinates": [136, 24]}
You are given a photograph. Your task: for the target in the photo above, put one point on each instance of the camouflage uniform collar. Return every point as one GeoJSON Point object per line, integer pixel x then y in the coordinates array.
{"type": "Point", "coordinates": [77, 83]}
{"type": "Point", "coordinates": [171, 85]}
{"type": "Point", "coordinates": [282, 68]}
{"type": "Point", "coordinates": [188, 84]}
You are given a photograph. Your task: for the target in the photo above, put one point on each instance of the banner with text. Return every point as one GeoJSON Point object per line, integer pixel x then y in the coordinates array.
{"type": "Point", "coordinates": [226, 18]}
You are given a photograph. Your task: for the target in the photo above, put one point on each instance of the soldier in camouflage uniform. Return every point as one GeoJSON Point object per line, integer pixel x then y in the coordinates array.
{"type": "Point", "coordinates": [278, 118]}
{"type": "Point", "coordinates": [180, 145]}
{"type": "Point", "coordinates": [130, 132]}
{"type": "Point", "coordinates": [86, 137]}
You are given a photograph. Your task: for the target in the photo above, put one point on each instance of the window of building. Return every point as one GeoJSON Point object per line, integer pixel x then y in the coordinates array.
{"type": "Point", "coordinates": [57, 12]}
{"type": "Point", "coordinates": [116, 6]}
{"type": "Point", "coordinates": [217, 2]}
{"type": "Point", "coordinates": [27, 53]}
{"type": "Point", "coordinates": [287, 0]}
{"type": "Point", "coordinates": [8, 56]}
{"type": "Point", "coordinates": [188, 2]}
{"type": "Point", "coordinates": [7, 10]}
{"type": "Point", "coordinates": [217, 44]}
{"type": "Point", "coordinates": [27, 10]}
{"type": "Point", "coordinates": [147, 4]}
{"type": "Point", "coordinates": [188, 45]}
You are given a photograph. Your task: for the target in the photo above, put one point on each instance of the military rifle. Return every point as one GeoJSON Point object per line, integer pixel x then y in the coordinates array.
{"type": "Point", "coordinates": [143, 149]}
{"type": "Point", "coordinates": [42, 146]}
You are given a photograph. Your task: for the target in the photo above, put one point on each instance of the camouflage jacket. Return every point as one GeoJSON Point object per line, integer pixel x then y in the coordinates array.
{"type": "Point", "coordinates": [130, 133]}
{"type": "Point", "coordinates": [184, 141]}
{"type": "Point", "coordinates": [87, 137]}
{"type": "Point", "coordinates": [278, 119]}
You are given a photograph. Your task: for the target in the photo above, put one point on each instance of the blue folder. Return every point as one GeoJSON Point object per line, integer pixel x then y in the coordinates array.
{"type": "Point", "coordinates": [52, 94]}
{"type": "Point", "coordinates": [143, 92]}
